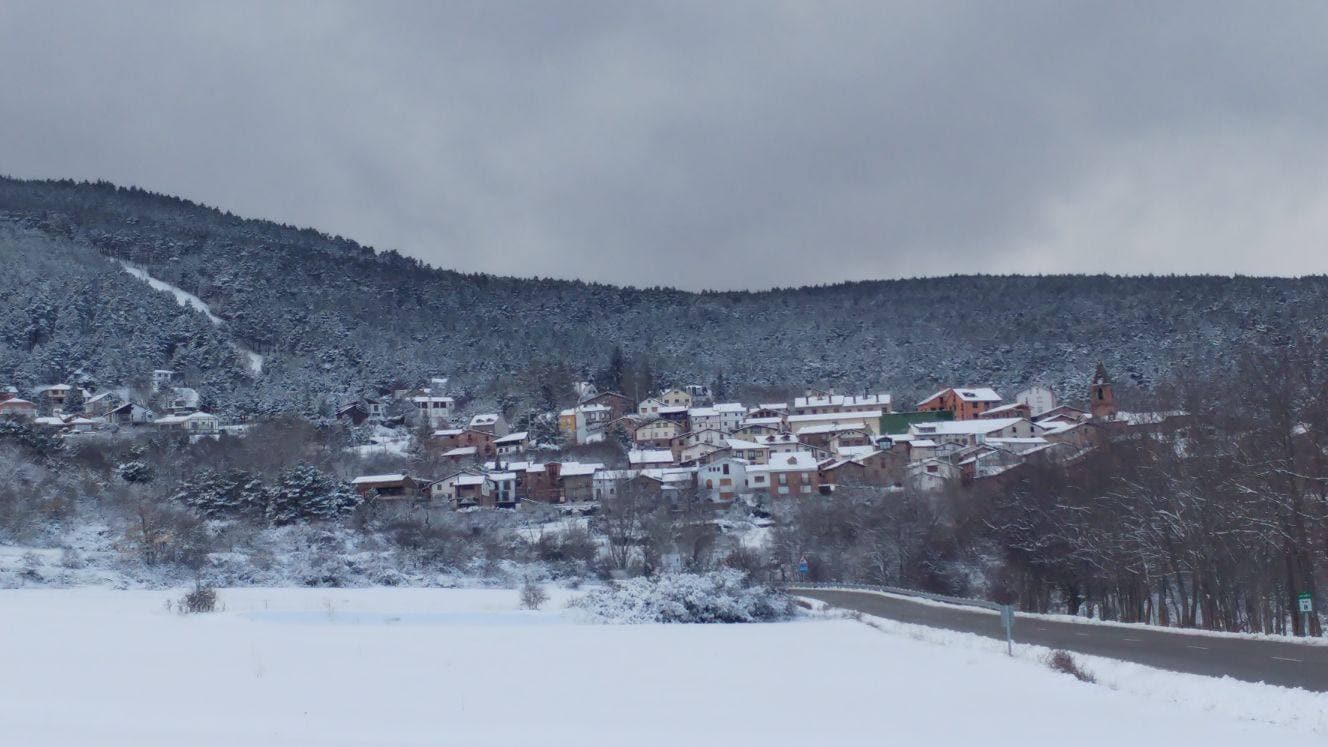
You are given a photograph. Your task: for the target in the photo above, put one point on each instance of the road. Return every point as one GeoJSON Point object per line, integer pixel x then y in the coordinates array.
{"type": "Point", "coordinates": [1253, 660]}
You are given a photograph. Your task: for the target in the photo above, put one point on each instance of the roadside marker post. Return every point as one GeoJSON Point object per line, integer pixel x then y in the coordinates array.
{"type": "Point", "coordinates": [1007, 620]}
{"type": "Point", "coordinates": [803, 567]}
{"type": "Point", "coordinates": [1306, 607]}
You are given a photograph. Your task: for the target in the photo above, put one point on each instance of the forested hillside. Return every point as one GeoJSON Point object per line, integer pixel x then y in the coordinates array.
{"type": "Point", "coordinates": [333, 317]}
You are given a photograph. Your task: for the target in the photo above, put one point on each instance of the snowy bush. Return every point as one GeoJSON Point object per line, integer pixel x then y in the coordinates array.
{"type": "Point", "coordinates": [135, 471]}
{"type": "Point", "coordinates": [723, 596]}
{"type": "Point", "coordinates": [533, 596]}
{"type": "Point", "coordinates": [200, 599]}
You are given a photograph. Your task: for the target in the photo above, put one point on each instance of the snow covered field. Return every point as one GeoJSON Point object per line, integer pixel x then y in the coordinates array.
{"type": "Point", "coordinates": [466, 667]}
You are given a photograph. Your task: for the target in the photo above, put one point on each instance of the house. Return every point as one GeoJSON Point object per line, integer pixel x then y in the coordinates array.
{"type": "Point", "coordinates": [490, 422]}
{"type": "Point", "coordinates": [776, 410]}
{"type": "Point", "coordinates": [1062, 412]}
{"type": "Point", "coordinates": [704, 418]}
{"type": "Point", "coordinates": [512, 443]}
{"type": "Point", "coordinates": [842, 471]}
{"type": "Point", "coordinates": [650, 407]}
{"type": "Point", "coordinates": [656, 433]}
{"type": "Point", "coordinates": [676, 414]}
{"type": "Point", "coordinates": [618, 404]}
{"type": "Point", "coordinates": [822, 403]}
{"type": "Point", "coordinates": [195, 423]}
{"type": "Point", "coordinates": [676, 397]}
{"type": "Point", "coordinates": [486, 490]}
{"type": "Point", "coordinates": [454, 438]}
{"type": "Point", "coordinates": [701, 453]}
{"type": "Point", "coordinates": [56, 394]}
{"type": "Point", "coordinates": [99, 404]}
{"type": "Point", "coordinates": [795, 473]}
{"type": "Point", "coordinates": [701, 394]}
{"type": "Point", "coordinates": [433, 409]}
{"type": "Point", "coordinates": [723, 480]}
{"type": "Point", "coordinates": [161, 379]}
{"type": "Point", "coordinates": [390, 487]}
{"type": "Point", "coordinates": [577, 481]}
{"type": "Point", "coordinates": [1039, 399]}
{"type": "Point", "coordinates": [752, 452]}
{"type": "Point", "coordinates": [885, 467]}
{"type": "Point", "coordinates": [1012, 410]}
{"type": "Point", "coordinates": [868, 420]}
{"type": "Point", "coordinates": [898, 422]}
{"type": "Point", "coordinates": [973, 432]}
{"type": "Point", "coordinates": [730, 415]}
{"type": "Point", "coordinates": [642, 458]}
{"type": "Point", "coordinates": [933, 475]}
{"type": "Point", "coordinates": [461, 455]}
{"type": "Point", "coordinates": [757, 427]}
{"type": "Point", "coordinates": [584, 424]}
{"type": "Point", "coordinates": [130, 413]}
{"type": "Point", "coordinates": [17, 408]}
{"type": "Point", "coordinates": [354, 414]}
{"type": "Point", "coordinates": [965, 403]}
{"type": "Point", "coordinates": [830, 436]}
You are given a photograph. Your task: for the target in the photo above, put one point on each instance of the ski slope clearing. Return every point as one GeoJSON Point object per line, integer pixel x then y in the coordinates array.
{"type": "Point", "coordinates": [253, 361]}
{"type": "Point", "coordinates": [467, 667]}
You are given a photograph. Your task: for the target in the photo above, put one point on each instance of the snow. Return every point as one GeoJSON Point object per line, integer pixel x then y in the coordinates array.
{"type": "Point", "coordinates": [182, 296]}
{"type": "Point", "coordinates": [402, 667]}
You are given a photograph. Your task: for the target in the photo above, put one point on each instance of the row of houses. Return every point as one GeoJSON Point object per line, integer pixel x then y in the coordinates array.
{"type": "Point", "coordinates": [810, 445]}
{"type": "Point", "coordinates": [74, 409]}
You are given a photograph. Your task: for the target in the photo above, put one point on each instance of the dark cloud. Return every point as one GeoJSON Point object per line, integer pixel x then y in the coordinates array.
{"type": "Point", "coordinates": [705, 144]}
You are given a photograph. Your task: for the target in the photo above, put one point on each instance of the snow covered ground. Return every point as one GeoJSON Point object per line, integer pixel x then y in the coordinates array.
{"type": "Point", "coordinates": [466, 667]}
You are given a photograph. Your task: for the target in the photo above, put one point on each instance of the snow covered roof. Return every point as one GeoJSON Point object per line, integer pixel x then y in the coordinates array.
{"type": "Point", "coordinates": [593, 408]}
{"type": "Point", "coordinates": [616, 474]}
{"type": "Point", "coordinates": [829, 428]}
{"type": "Point", "coordinates": [580, 469]}
{"type": "Point", "coordinates": [512, 438]}
{"type": "Point", "coordinates": [793, 461]}
{"type": "Point", "coordinates": [1005, 408]}
{"type": "Point", "coordinates": [771, 406]}
{"type": "Point", "coordinates": [468, 479]}
{"type": "Point", "coordinates": [730, 407]}
{"type": "Point", "coordinates": [857, 452]}
{"type": "Point", "coordinates": [980, 394]}
{"type": "Point", "coordinates": [672, 410]}
{"type": "Point", "coordinates": [461, 451]}
{"type": "Point", "coordinates": [843, 400]}
{"type": "Point", "coordinates": [650, 456]}
{"type": "Point", "coordinates": [962, 427]}
{"type": "Point", "coordinates": [17, 401]}
{"type": "Point", "coordinates": [486, 418]}
{"type": "Point", "coordinates": [703, 412]}
{"type": "Point", "coordinates": [448, 432]}
{"type": "Point", "coordinates": [737, 443]}
{"type": "Point", "coordinates": [366, 479]}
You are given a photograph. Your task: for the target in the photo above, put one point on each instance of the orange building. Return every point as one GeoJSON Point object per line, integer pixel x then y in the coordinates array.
{"type": "Point", "coordinates": [966, 404]}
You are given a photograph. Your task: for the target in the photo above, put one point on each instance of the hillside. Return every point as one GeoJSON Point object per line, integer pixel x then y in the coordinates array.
{"type": "Point", "coordinates": [332, 317]}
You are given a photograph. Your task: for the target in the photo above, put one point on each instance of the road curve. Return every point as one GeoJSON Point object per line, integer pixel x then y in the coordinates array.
{"type": "Point", "coordinates": [1253, 660]}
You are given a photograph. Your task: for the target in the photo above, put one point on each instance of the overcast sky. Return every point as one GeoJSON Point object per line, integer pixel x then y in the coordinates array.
{"type": "Point", "coordinates": [709, 144]}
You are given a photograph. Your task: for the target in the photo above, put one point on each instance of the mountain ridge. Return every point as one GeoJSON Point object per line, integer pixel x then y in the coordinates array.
{"type": "Point", "coordinates": [334, 318]}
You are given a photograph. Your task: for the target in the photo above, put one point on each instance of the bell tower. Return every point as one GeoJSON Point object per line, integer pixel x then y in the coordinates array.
{"type": "Point", "coordinates": [1101, 394]}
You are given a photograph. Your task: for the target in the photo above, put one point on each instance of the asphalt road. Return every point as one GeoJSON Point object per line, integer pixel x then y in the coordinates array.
{"type": "Point", "coordinates": [1253, 660]}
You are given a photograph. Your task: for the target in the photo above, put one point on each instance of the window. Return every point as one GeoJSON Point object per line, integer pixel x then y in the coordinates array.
{"type": "Point", "coordinates": [758, 479]}
{"type": "Point", "coordinates": [726, 469]}
{"type": "Point", "coordinates": [710, 484]}
{"type": "Point", "coordinates": [783, 479]}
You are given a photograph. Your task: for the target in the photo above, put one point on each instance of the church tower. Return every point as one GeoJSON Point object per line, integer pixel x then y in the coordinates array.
{"type": "Point", "coordinates": [1101, 395]}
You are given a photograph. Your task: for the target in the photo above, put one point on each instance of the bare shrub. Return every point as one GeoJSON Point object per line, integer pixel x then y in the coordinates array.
{"type": "Point", "coordinates": [200, 599]}
{"type": "Point", "coordinates": [1063, 662]}
{"type": "Point", "coordinates": [533, 596]}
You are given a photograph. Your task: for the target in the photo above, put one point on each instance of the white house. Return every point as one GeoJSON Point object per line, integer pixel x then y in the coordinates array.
{"type": "Point", "coordinates": [704, 419]}
{"type": "Point", "coordinates": [723, 480]}
{"type": "Point", "coordinates": [434, 409]}
{"type": "Point", "coordinates": [731, 415]}
{"type": "Point", "coordinates": [1039, 399]}
{"type": "Point", "coordinates": [676, 397]}
{"type": "Point", "coordinates": [822, 403]}
{"type": "Point", "coordinates": [196, 423]}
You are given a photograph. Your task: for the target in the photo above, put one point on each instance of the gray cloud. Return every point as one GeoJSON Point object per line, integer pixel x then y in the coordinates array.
{"type": "Point", "coordinates": [705, 144]}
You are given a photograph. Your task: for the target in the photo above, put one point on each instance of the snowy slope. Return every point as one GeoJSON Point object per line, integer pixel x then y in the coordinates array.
{"type": "Point", "coordinates": [444, 667]}
{"type": "Point", "coordinates": [253, 360]}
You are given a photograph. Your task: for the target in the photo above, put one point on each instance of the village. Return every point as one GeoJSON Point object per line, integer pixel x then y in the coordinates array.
{"type": "Point", "coordinates": [676, 445]}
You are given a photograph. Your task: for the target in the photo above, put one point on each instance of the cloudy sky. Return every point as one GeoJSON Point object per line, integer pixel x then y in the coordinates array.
{"type": "Point", "coordinates": [706, 144]}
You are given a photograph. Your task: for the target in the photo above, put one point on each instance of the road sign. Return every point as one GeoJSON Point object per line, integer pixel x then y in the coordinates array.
{"type": "Point", "coordinates": [1306, 604]}
{"type": "Point", "coordinates": [803, 568]}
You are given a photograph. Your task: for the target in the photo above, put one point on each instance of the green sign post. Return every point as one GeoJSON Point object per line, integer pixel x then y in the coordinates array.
{"type": "Point", "coordinates": [1306, 605]}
